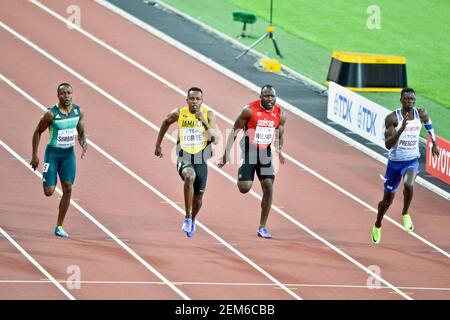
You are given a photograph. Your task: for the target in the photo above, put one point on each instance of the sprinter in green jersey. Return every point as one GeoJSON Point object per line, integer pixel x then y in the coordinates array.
{"type": "Point", "coordinates": [64, 120]}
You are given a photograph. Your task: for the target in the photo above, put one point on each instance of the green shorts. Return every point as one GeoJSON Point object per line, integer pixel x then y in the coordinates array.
{"type": "Point", "coordinates": [59, 161]}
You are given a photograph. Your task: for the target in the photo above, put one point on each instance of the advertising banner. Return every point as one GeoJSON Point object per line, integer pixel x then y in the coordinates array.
{"type": "Point", "coordinates": [356, 113]}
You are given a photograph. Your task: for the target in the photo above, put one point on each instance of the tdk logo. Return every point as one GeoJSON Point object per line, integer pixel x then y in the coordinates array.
{"type": "Point", "coordinates": [366, 120]}
{"type": "Point", "coordinates": [343, 108]}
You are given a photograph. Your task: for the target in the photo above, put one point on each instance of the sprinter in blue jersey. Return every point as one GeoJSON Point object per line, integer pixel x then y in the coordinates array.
{"type": "Point", "coordinates": [64, 120]}
{"type": "Point", "coordinates": [402, 139]}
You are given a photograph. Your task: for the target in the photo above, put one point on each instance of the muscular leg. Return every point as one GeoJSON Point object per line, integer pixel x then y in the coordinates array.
{"type": "Point", "coordinates": [383, 206]}
{"type": "Point", "coordinates": [244, 186]}
{"type": "Point", "coordinates": [49, 173]}
{"type": "Point", "coordinates": [65, 202]}
{"type": "Point", "coordinates": [196, 205]}
{"type": "Point", "coordinates": [48, 190]}
{"type": "Point", "coordinates": [188, 174]}
{"type": "Point", "coordinates": [266, 203]}
{"type": "Point", "coordinates": [408, 180]}
{"type": "Point", "coordinates": [246, 174]}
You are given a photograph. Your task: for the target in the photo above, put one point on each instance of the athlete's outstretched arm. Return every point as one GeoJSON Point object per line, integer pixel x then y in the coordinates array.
{"type": "Point", "coordinates": [279, 138]}
{"type": "Point", "coordinates": [425, 118]}
{"type": "Point", "coordinates": [81, 134]}
{"type": "Point", "coordinates": [43, 124]}
{"type": "Point", "coordinates": [167, 122]}
{"type": "Point", "coordinates": [239, 124]}
{"type": "Point", "coordinates": [211, 128]}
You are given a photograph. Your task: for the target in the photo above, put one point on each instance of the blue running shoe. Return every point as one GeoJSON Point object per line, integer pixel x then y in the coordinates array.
{"type": "Point", "coordinates": [59, 231]}
{"type": "Point", "coordinates": [190, 234]}
{"type": "Point", "coordinates": [187, 225]}
{"type": "Point", "coordinates": [263, 233]}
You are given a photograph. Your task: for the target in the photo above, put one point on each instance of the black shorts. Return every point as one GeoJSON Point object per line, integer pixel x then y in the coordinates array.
{"type": "Point", "coordinates": [201, 175]}
{"type": "Point", "coordinates": [259, 161]}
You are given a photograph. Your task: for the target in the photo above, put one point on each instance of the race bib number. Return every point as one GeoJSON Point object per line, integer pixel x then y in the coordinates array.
{"type": "Point", "coordinates": [45, 168]}
{"type": "Point", "coordinates": [192, 137]}
{"type": "Point", "coordinates": [263, 135]}
{"type": "Point", "coordinates": [407, 144]}
{"type": "Point", "coordinates": [408, 141]}
{"type": "Point", "coordinates": [66, 138]}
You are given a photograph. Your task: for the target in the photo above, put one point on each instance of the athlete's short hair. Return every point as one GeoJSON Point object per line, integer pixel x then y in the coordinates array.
{"type": "Point", "coordinates": [267, 86]}
{"type": "Point", "coordinates": [195, 89]}
{"type": "Point", "coordinates": [406, 90]}
{"type": "Point", "coordinates": [64, 84]}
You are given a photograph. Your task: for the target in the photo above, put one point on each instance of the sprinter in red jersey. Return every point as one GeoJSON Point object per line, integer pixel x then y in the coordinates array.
{"type": "Point", "coordinates": [263, 123]}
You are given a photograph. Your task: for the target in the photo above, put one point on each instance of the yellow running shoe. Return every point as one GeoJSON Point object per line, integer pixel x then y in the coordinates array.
{"type": "Point", "coordinates": [376, 235]}
{"type": "Point", "coordinates": [407, 223]}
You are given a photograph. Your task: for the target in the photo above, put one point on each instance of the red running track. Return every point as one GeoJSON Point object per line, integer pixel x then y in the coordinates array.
{"type": "Point", "coordinates": [201, 267]}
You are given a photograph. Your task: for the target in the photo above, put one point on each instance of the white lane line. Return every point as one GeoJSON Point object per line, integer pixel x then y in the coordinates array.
{"type": "Point", "coordinates": [156, 128]}
{"type": "Point", "coordinates": [154, 190]}
{"type": "Point", "coordinates": [364, 204]}
{"type": "Point", "coordinates": [99, 225]}
{"type": "Point", "coordinates": [309, 81]}
{"type": "Point", "coordinates": [36, 264]}
{"type": "Point", "coordinates": [84, 212]}
{"type": "Point", "coordinates": [223, 117]}
{"type": "Point", "coordinates": [230, 284]}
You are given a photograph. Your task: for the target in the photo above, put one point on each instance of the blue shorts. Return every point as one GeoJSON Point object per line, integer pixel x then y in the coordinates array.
{"type": "Point", "coordinates": [396, 170]}
{"type": "Point", "coordinates": [59, 161]}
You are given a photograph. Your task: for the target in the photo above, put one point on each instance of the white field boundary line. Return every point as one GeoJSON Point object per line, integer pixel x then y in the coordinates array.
{"type": "Point", "coordinates": [154, 190]}
{"type": "Point", "coordinates": [99, 225]}
{"type": "Point", "coordinates": [302, 77]}
{"type": "Point", "coordinates": [241, 80]}
{"type": "Point", "coordinates": [35, 263]}
{"type": "Point", "coordinates": [229, 284]}
{"type": "Point", "coordinates": [156, 128]}
{"type": "Point", "coordinates": [238, 44]}
{"type": "Point", "coordinates": [78, 207]}
{"type": "Point", "coordinates": [178, 90]}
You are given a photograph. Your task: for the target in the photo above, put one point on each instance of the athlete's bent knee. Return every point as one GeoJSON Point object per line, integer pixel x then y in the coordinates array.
{"type": "Point", "coordinates": [244, 187]}
{"type": "Point", "coordinates": [198, 200]}
{"type": "Point", "coordinates": [66, 187]}
{"type": "Point", "coordinates": [48, 191]}
{"type": "Point", "coordinates": [267, 190]}
{"type": "Point", "coordinates": [189, 179]}
{"type": "Point", "coordinates": [408, 187]}
{"type": "Point", "coordinates": [385, 204]}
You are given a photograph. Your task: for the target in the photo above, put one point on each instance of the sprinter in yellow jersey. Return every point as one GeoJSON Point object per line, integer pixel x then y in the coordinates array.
{"type": "Point", "coordinates": [197, 128]}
